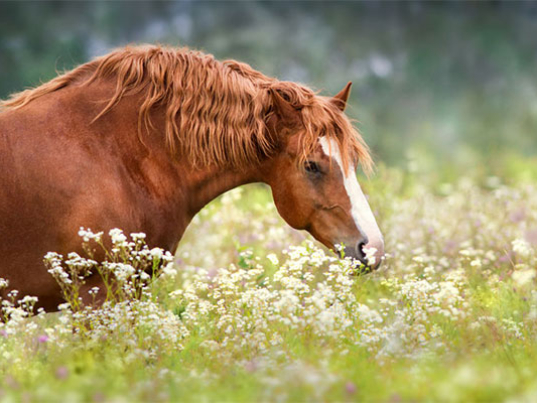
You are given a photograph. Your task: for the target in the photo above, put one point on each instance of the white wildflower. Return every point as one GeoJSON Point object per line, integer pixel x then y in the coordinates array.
{"type": "Point", "coordinates": [273, 259]}
{"type": "Point", "coordinates": [521, 247]}
{"type": "Point", "coordinates": [523, 277]}
{"type": "Point", "coordinates": [157, 253]}
{"type": "Point", "coordinates": [117, 236]}
{"type": "Point", "coordinates": [138, 236]}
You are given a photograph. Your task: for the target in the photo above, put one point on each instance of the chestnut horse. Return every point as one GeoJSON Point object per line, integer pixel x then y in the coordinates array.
{"type": "Point", "coordinates": [144, 137]}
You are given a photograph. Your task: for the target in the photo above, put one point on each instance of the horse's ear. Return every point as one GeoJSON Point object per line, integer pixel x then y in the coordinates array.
{"type": "Point", "coordinates": [340, 100]}
{"type": "Point", "coordinates": [282, 108]}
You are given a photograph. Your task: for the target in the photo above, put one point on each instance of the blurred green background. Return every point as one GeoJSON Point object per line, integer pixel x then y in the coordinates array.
{"type": "Point", "coordinates": [448, 84]}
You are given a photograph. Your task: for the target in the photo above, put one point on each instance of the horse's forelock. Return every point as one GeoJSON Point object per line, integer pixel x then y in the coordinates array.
{"type": "Point", "coordinates": [323, 118]}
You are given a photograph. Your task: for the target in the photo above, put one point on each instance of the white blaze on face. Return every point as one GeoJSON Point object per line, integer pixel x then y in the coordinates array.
{"type": "Point", "coordinates": [360, 210]}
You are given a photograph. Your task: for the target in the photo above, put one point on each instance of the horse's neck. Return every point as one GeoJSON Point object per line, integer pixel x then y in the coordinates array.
{"type": "Point", "coordinates": [207, 184]}
{"type": "Point", "coordinates": [182, 189]}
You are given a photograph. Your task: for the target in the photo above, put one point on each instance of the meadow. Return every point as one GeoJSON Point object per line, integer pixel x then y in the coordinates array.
{"type": "Point", "coordinates": [250, 310]}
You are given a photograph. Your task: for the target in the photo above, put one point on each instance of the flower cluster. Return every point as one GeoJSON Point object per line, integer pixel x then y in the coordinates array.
{"type": "Point", "coordinates": [126, 267]}
{"type": "Point", "coordinates": [247, 295]}
{"type": "Point", "coordinates": [123, 312]}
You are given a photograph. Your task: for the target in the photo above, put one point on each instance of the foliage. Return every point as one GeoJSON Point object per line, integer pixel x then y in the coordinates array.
{"type": "Point", "coordinates": [253, 311]}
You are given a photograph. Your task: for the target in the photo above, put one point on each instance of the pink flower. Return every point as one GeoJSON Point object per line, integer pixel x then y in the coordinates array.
{"type": "Point", "coordinates": [350, 388]}
{"type": "Point", "coordinates": [43, 338]}
{"type": "Point", "coordinates": [62, 372]}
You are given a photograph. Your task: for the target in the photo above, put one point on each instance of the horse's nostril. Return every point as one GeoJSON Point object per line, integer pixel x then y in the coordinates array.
{"type": "Point", "coordinates": [360, 253]}
{"type": "Point", "coordinates": [357, 251]}
{"type": "Point", "coordinates": [360, 248]}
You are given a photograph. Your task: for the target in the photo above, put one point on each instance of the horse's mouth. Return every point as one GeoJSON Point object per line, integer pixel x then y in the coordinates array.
{"type": "Point", "coordinates": [360, 265]}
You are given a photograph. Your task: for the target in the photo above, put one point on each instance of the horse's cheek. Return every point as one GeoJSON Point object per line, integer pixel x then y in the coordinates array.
{"type": "Point", "coordinates": [288, 206]}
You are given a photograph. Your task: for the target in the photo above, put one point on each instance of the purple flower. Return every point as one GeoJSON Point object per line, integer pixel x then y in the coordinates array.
{"type": "Point", "coordinates": [250, 366]}
{"type": "Point", "coordinates": [517, 216]}
{"type": "Point", "coordinates": [350, 388]}
{"type": "Point", "coordinates": [505, 258]}
{"type": "Point", "coordinates": [43, 338]}
{"type": "Point", "coordinates": [62, 372]}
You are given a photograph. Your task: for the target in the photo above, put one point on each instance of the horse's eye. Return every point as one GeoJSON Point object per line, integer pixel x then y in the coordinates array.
{"type": "Point", "coordinates": [312, 167]}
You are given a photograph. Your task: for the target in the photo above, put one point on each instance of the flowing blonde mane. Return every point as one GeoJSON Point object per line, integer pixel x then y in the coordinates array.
{"type": "Point", "coordinates": [216, 112]}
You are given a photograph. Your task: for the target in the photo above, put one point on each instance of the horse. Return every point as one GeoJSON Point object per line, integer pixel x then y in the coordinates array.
{"type": "Point", "coordinates": [145, 136]}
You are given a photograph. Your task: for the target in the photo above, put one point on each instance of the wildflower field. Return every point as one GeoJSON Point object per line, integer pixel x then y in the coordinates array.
{"type": "Point", "coordinates": [251, 310]}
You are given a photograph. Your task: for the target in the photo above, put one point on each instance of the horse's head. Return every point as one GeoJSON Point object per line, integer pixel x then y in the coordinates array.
{"type": "Point", "coordinates": [313, 177]}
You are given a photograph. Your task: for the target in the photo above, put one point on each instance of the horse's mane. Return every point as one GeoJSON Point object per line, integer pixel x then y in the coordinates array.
{"type": "Point", "coordinates": [216, 112]}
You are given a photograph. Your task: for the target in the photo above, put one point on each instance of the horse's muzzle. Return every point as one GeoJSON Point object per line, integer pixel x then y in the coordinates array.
{"type": "Point", "coordinates": [368, 255]}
